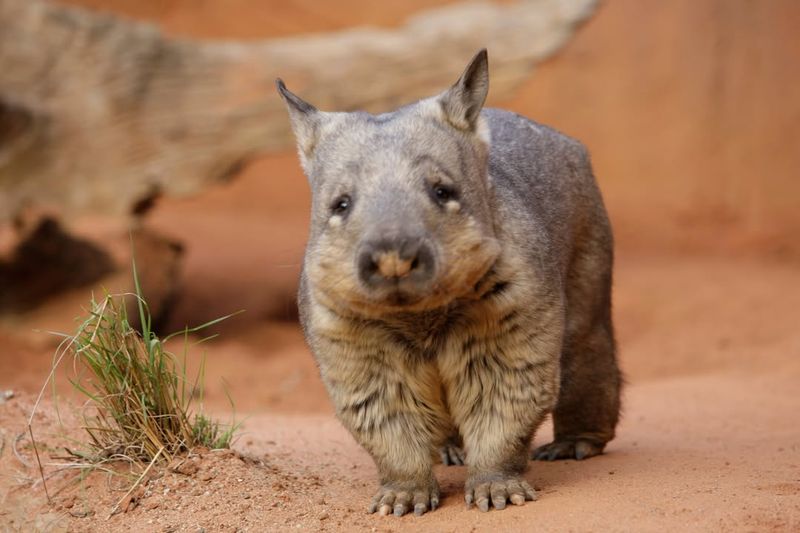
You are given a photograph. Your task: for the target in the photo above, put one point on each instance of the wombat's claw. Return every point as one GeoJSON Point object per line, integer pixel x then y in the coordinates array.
{"type": "Point", "coordinates": [567, 449]}
{"type": "Point", "coordinates": [452, 455]}
{"type": "Point", "coordinates": [389, 500]}
{"type": "Point", "coordinates": [512, 490]}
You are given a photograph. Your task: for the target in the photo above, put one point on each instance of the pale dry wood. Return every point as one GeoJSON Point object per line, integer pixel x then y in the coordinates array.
{"type": "Point", "coordinates": [98, 112]}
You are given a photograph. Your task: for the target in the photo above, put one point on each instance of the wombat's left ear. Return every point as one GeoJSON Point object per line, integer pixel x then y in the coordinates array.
{"type": "Point", "coordinates": [304, 117]}
{"type": "Point", "coordinates": [462, 103]}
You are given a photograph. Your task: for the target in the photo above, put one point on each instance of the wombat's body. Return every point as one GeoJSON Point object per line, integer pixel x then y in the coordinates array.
{"type": "Point", "coordinates": [456, 289]}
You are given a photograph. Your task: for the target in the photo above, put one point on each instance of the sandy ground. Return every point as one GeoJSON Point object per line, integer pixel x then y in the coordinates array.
{"type": "Point", "coordinates": [710, 439]}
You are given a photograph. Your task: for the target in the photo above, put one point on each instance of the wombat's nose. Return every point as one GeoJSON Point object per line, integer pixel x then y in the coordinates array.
{"type": "Point", "coordinates": [391, 260]}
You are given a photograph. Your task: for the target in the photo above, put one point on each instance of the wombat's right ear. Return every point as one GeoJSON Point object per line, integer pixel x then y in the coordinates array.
{"type": "Point", "coordinates": [304, 118]}
{"type": "Point", "coordinates": [462, 103]}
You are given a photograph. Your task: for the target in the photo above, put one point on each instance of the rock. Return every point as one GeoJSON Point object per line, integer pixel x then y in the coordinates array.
{"type": "Point", "coordinates": [46, 261]}
{"type": "Point", "coordinates": [67, 267]}
{"type": "Point", "coordinates": [185, 466]}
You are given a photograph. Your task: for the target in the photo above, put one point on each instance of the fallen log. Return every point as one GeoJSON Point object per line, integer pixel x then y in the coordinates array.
{"type": "Point", "coordinates": [100, 114]}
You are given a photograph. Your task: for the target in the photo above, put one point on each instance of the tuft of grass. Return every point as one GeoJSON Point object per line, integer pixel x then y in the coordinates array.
{"type": "Point", "coordinates": [143, 402]}
{"type": "Point", "coordinates": [142, 405]}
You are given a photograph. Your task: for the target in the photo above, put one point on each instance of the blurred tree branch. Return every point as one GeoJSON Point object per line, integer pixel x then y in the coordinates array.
{"type": "Point", "coordinates": [99, 113]}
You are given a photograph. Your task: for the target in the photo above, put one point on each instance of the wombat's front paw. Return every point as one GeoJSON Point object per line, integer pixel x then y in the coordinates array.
{"type": "Point", "coordinates": [567, 449]}
{"type": "Point", "coordinates": [499, 490]}
{"type": "Point", "coordinates": [400, 498]}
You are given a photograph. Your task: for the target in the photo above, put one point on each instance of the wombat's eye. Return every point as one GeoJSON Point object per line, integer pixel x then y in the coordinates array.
{"type": "Point", "coordinates": [341, 205]}
{"type": "Point", "coordinates": [443, 194]}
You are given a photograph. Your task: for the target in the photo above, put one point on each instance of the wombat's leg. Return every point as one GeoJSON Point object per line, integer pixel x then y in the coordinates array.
{"type": "Point", "coordinates": [452, 452]}
{"type": "Point", "coordinates": [391, 403]}
{"type": "Point", "coordinates": [499, 390]}
{"type": "Point", "coordinates": [589, 400]}
{"type": "Point", "coordinates": [588, 406]}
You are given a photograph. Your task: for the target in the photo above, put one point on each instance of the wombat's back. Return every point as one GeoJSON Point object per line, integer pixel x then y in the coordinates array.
{"type": "Point", "coordinates": [548, 205]}
{"type": "Point", "coordinates": [545, 191]}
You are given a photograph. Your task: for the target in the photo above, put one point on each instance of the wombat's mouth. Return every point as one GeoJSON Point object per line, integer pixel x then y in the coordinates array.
{"type": "Point", "coordinates": [400, 298]}
{"type": "Point", "coordinates": [395, 298]}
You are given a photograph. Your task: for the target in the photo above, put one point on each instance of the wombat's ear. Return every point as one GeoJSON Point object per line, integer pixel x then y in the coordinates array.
{"type": "Point", "coordinates": [304, 118]}
{"type": "Point", "coordinates": [462, 103]}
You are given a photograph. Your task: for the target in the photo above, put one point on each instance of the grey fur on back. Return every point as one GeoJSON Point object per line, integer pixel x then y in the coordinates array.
{"type": "Point", "coordinates": [543, 179]}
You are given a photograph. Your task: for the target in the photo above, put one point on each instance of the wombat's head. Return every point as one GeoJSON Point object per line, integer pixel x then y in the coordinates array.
{"type": "Point", "coordinates": [401, 217]}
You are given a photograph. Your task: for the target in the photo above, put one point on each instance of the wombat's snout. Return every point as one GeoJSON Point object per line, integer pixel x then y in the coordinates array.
{"type": "Point", "coordinates": [406, 261]}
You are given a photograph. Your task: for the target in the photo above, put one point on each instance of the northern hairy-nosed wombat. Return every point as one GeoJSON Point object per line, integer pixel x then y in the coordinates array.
{"type": "Point", "coordinates": [456, 288]}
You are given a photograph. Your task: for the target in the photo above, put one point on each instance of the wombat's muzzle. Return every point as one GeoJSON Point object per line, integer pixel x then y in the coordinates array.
{"type": "Point", "coordinates": [402, 264]}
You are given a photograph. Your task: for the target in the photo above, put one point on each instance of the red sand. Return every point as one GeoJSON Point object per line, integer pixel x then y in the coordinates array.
{"type": "Point", "coordinates": [710, 439]}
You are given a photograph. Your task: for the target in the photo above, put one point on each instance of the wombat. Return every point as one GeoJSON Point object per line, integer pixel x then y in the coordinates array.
{"type": "Point", "coordinates": [456, 288]}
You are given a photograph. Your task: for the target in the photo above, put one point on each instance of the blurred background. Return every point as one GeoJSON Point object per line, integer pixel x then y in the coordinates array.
{"type": "Point", "coordinates": [159, 117]}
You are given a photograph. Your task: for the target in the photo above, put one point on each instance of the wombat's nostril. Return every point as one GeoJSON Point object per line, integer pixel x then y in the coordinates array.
{"type": "Point", "coordinates": [390, 261]}
{"type": "Point", "coordinates": [391, 265]}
